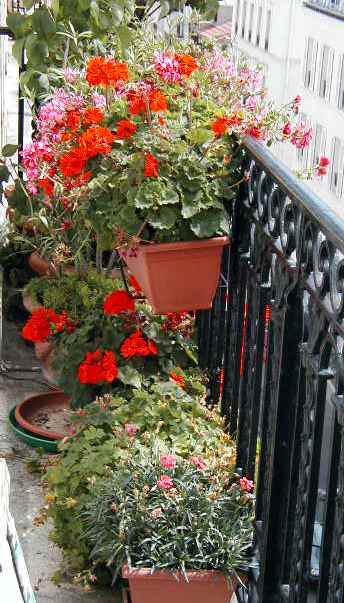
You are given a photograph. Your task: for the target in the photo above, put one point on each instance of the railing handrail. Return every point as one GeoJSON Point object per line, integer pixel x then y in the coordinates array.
{"type": "Point", "coordinates": [324, 6]}
{"type": "Point", "coordinates": [329, 222]}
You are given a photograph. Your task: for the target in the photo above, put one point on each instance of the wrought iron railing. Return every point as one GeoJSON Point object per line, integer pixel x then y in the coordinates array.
{"type": "Point", "coordinates": [274, 347]}
{"type": "Point", "coordinates": [332, 7]}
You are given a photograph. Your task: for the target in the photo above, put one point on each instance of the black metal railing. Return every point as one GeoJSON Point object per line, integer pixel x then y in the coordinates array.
{"type": "Point", "coordinates": [334, 8]}
{"type": "Point", "coordinates": [274, 347]}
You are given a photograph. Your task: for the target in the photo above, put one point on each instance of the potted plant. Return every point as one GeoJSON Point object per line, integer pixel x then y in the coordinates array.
{"type": "Point", "coordinates": [112, 427]}
{"type": "Point", "coordinates": [177, 529]}
{"type": "Point", "coordinates": [143, 156]}
{"type": "Point", "coordinates": [108, 342]}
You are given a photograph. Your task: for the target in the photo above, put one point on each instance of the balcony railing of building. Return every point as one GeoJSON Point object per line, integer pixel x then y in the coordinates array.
{"type": "Point", "coordinates": [273, 345]}
{"type": "Point", "coordinates": [335, 8]}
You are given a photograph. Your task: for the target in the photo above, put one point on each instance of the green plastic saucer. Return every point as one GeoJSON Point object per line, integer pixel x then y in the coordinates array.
{"type": "Point", "coordinates": [30, 439]}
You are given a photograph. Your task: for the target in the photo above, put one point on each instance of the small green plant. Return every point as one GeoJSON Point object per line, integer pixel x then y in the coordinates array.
{"type": "Point", "coordinates": [110, 429]}
{"type": "Point", "coordinates": [163, 512]}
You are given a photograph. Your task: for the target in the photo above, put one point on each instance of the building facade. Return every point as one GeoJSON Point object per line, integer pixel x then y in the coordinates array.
{"type": "Point", "coordinates": [301, 46]}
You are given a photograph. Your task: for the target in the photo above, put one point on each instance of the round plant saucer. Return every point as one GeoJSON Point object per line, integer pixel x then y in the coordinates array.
{"type": "Point", "coordinates": [29, 439]}
{"type": "Point", "coordinates": [46, 415]}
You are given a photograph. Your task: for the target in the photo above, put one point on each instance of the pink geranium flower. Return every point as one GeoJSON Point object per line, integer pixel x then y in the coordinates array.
{"type": "Point", "coordinates": [131, 429]}
{"type": "Point", "coordinates": [246, 484]}
{"type": "Point", "coordinates": [199, 463]}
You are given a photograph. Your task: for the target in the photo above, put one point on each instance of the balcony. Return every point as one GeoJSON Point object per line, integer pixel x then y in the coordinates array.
{"type": "Point", "coordinates": [334, 8]}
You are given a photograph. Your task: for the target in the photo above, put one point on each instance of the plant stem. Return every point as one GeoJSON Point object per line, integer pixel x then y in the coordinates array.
{"type": "Point", "coordinates": [141, 229]}
{"type": "Point", "coordinates": [111, 261]}
{"type": "Point", "coordinates": [65, 55]}
{"type": "Point", "coordinates": [99, 265]}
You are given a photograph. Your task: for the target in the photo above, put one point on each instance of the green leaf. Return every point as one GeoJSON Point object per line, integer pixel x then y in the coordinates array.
{"type": "Point", "coordinates": [9, 150]}
{"type": "Point", "coordinates": [16, 23]}
{"type": "Point", "coordinates": [17, 49]}
{"type": "Point", "coordinates": [84, 4]}
{"type": "Point", "coordinates": [117, 14]}
{"type": "Point", "coordinates": [164, 9]}
{"type": "Point", "coordinates": [95, 11]}
{"type": "Point", "coordinates": [4, 173]}
{"type": "Point", "coordinates": [199, 136]}
{"type": "Point", "coordinates": [55, 7]}
{"type": "Point", "coordinates": [130, 376]}
{"type": "Point", "coordinates": [43, 23]}
{"type": "Point", "coordinates": [125, 35]}
{"type": "Point", "coordinates": [37, 52]}
{"type": "Point", "coordinates": [28, 4]}
{"type": "Point", "coordinates": [163, 219]}
{"type": "Point", "coordinates": [207, 224]}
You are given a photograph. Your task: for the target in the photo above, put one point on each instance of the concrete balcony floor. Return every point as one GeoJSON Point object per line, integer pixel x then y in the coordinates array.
{"type": "Point", "coordinates": [42, 557]}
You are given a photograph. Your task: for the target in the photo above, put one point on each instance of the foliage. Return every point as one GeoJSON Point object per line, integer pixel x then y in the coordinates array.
{"type": "Point", "coordinates": [147, 149]}
{"type": "Point", "coordinates": [52, 35]}
{"type": "Point", "coordinates": [169, 513]}
{"type": "Point", "coordinates": [70, 293]}
{"type": "Point", "coordinates": [102, 441]}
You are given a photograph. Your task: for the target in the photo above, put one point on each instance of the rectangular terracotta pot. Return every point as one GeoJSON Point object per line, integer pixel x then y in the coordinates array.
{"type": "Point", "coordinates": [177, 276]}
{"type": "Point", "coordinates": [163, 587]}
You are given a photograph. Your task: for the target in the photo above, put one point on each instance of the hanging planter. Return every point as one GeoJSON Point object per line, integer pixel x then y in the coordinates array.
{"type": "Point", "coordinates": [178, 276]}
{"type": "Point", "coordinates": [202, 587]}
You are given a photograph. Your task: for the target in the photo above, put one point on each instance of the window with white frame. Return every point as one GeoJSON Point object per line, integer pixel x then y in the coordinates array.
{"type": "Point", "coordinates": [337, 167]}
{"type": "Point", "coordinates": [310, 63]}
{"type": "Point", "coordinates": [237, 17]}
{"type": "Point", "coordinates": [326, 70]}
{"type": "Point", "coordinates": [243, 18]}
{"type": "Point", "coordinates": [341, 85]}
{"type": "Point", "coordinates": [305, 155]}
{"type": "Point", "coordinates": [267, 30]}
{"type": "Point", "coordinates": [250, 22]}
{"type": "Point", "coordinates": [259, 25]}
{"type": "Point", "coordinates": [318, 143]}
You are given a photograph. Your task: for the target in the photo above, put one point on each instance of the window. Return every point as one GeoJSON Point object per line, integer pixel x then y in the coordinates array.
{"type": "Point", "coordinates": [304, 155]}
{"type": "Point", "coordinates": [337, 167]}
{"type": "Point", "coordinates": [319, 143]}
{"type": "Point", "coordinates": [267, 30]}
{"type": "Point", "coordinates": [341, 86]}
{"type": "Point", "coordinates": [326, 69]}
{"type": "Point", "coordinates": [310, 65]}
{"type": "Point", "coordinates": [237, 17]}
{"type": "Point", "coordinates": [259, 24]}
{"type": "Point", "coordinates": [250, 23]}
{"type": "Point", "coordinates": [243, 18]}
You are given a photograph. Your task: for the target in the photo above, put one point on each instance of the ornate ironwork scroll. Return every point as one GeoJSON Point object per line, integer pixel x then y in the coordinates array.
{"type": "Point", "coordinates": [273, 344]}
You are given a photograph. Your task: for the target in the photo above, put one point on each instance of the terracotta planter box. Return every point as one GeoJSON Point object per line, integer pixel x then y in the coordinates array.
{"type": "Point", "coordinates": [203, 587]}
{"type": "Point", "coordinates": [178, 276]}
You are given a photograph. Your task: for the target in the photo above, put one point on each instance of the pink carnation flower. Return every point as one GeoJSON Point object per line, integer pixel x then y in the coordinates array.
{"type": "Point", "coordinates": [131, 429]}
{"type": "Point", "coordinates": [165, 483]}
{"type": "Point", "coordinates": [246, 484]}
{"type": "Point", "coordinates": [168, 462]}
{"type": "Point", "coordinates": [199, 463]}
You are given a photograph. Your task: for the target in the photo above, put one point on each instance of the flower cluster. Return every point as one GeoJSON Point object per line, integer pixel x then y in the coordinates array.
{"type": "Point", "coordinates": [173, 67]}
{"type": "Point", "coordinates": [43, 323]}
{"type": "Point", "coordinates": [118, 302]}
{"type": "Point", "coordinates": [98, 367]}
{"type": "Point", "coordinates": [136, 346]}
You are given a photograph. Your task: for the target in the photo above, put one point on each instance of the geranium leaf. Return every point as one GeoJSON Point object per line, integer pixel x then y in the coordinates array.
{"type": "Point", "coordinates": [129, 376]}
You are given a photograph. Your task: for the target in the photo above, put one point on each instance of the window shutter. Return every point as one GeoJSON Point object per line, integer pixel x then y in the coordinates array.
{"type": "Point", "coordinates": [329, 74]}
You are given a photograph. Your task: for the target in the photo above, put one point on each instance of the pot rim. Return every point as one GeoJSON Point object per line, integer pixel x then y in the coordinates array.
{"type": "Point", "coordinates": [193, 575]}
{"type": "Point", "coordinates": [152, 247]}
{"type": "Point", "coordinates": [30, 427]}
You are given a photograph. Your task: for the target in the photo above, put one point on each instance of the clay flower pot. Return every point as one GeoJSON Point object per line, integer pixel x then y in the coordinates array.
{"type": "Point", "coordinates": [202, 587]}
{"type": "Point", "coordinates": [45, 354]}
{"type": "Point", "coordinates": [46, 415]}
{"type": "Point", "coordinates": [178, 276]}
{"type": "Point", "coordinates": [40, 266]}
{"type": "Point", "coordinates": [30, 305]}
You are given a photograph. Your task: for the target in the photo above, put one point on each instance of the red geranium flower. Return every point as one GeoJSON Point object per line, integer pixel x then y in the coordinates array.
{"type": "Point", "coordinates": [125, 129]}
{"type": "Point", "coordinates": [92, 116]}
{"type": "Point", "coordinates": [187, 64]}
{"type": "Point", "coordinates": [157, 101]}
{"type": "Point", "coordinates": [221, 126]}
{"type": "Point", "coordinates": [72, 163]}
{"type": "Point", "coordinates": [73, 120]}
{"type": "Point", "coordinates": [137, 346]}
{"type": "Point", "coordinates": [47, 186]}
{"type": "Point", "coordinates": [104, 72]}
{"type": "Point", "coordinates": [118, 302]}
{"type": "Point", "coordinates": [178, 379]}
{"type": "Point", "coordinates": [137, 103]}
{"type": "Point", "coordinates": [43, 323]}
{"type": "Point", "coordinates": [98, 367]}
{"type": "Point", "coordinates": [151, 167]}
{"type": "Point", "coordinates": [96, 141]}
